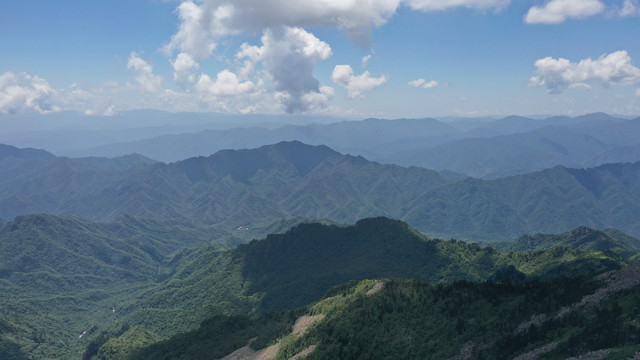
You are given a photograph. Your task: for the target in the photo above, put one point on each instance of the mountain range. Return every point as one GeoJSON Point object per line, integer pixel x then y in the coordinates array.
{"type": "Point", "coordinates": [65, 280]}
{"type": "Point", "coordinates": [257, 187]}
{"type": "Point", "coordinates": [484, 149]}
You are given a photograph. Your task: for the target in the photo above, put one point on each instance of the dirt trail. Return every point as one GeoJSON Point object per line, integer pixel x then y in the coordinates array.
{"type": "Point", "coordinates": [303, 323]}
{"type": "Point", "coordinates": [376, 288]}
{"type": "Point", "coordinates": [299, 328]}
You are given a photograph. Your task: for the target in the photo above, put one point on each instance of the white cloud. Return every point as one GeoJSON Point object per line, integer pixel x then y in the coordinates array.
{"type": "Point", "coordinates": [144, 74]}
{"type": "Point", "coordinates": [183, 69]}
{"type": "Point", "coordinates": [557, 11]}
{"type": "Point", "coordinates": [435, 5]}
{"type": "Point", "coordinates": [204, 22]}
{"type": "Point", "coordinates": [638, 92]}
{"type": "Point", "coordinates": [365, 60]}
{"type": "Point", "coordinates": [580, 85]}
{"type": "Point", "coordinates": [289, 55]}
{"type": "Point", "coordinates": [318, 100]}
{"type": "Point", "coordinates": [430, 85]}
{"type": "Point", "coordinates": [197, 30]}
{"type": "Point", "coordinates": [417, 82]}
{"type": "Point", "coordinates": [630, 8]}
{"type": "Point", "coordinates": [23, 91]}
{"type": "Point", "coordinates": [356, 85]}
{"type": "Point", "coordinates": [423, 83]}
{"type": "Point", "coordinates": [609, 70]}
{"type": "Point", "coordinates": [226, 84]}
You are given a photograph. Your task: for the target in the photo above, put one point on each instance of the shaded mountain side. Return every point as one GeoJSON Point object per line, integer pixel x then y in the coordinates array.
{"type": "Point", "coordinates": [257, 187]}
{"type": "Point", "coordinates": [582, 238]}
{"type": "Point", "coordinates": [289, 270]}
{"type": "Point", "coordinates": [85, 275]}
{"type": "Point", "coordinates": [407, 319]}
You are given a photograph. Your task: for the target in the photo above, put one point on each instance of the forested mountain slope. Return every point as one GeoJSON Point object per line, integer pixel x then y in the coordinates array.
{"type": "Point", "coordinates": [257, 187]}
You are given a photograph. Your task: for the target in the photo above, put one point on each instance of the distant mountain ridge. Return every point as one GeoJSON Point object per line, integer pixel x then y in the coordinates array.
{"type": "Point", "coordinates": [502, 147]}
{"type": "Point", "coordinates": [290, 179]}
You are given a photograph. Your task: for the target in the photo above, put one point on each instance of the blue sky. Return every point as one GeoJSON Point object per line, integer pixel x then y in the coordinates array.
{"type": "Point", "coordinates": [356, 58]}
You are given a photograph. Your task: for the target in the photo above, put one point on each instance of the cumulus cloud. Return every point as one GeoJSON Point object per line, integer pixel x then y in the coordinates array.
{"type": "Point", "coordinates": [557, 11]}
{"type": "Point", "coordinates": [144, 74]}
{"type": "Point", "coordinates": [184, 67]}
{"type": "Point", "coordinates": [226, 84]}
{"type": "Point", "coordinates": [356, 85]}
{"type": "Point", "coordinates": [435, 5]}
{"type": "Point", "coordinates": [423, 83]}
{"type": "Point", "coordinates": [288, 55]}
{"type": "Point", "coordinates": [609, 70]}
{"type": "Point", "coordinates": [204, 22]}
{"type": "Point", "coordinates": [23, 91]}
{"type": "Point", "coordinates": [630, 8]}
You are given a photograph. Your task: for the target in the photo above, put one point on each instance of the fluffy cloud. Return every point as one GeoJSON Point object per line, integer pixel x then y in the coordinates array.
{"type": "Point", "coordinates": [226, 84]}
{"type": "Point", "coordinates": [144, 74]}
{"type": "Point", "coordinates": [183, 69]}
{"type": "Point", "coordinates": [356, 85]}
{"type": "Point", "coordinates": [204, 22]}
{"type": "Point", "coordinates": [609, 70]}
{"type": "Point", "coordinates": [423, 83]}
{"type": "Point", "coordinates": [23, 91]}
{"type": "Point", "coordinates": [288, 55]}
{"type": "Point", "coordinates": [630, 8]}
{"type": "Point", "coordinates": [557, 11]}
{"type": "Point", "coordinates": [435, 5]}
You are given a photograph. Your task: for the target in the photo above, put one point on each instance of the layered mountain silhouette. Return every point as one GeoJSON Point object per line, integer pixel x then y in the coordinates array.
{"type": "Point", "coordinates": [289, 179]}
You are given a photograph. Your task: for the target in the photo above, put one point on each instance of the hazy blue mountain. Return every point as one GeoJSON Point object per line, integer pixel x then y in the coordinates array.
{"type": "Point", "coordinates": [506, 155]}
{"type": "Point", "coordinates": [8, 151]}
{"type": "Point", "coordinates": [257, 187]}
{"type": "Point", "coordinates": [366, 137]}
{"type": "Point", "coordinates": [487, 149]}
{"type": "Point", "coordinates": [61, 132]}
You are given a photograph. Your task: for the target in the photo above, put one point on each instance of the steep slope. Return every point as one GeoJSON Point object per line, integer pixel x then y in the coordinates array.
{"type": "Point", "coordinates": [292, 269]}
{"type": "Point", "coordinates": [592, 317]}
{"type": "Point", "coordinates": [58, 276]}
{"type": "Point", "coordinates": [582, 238]}
{"type": "Point", "coordinates": [85, 275]}
{"type": "Point", "coordinates": [290, 179]}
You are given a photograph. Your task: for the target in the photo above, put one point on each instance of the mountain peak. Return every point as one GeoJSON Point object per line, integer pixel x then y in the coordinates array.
{"type": "Point", "coordinates": [26, 153]}
{"type": "Point", "coordinates": [242, 165]}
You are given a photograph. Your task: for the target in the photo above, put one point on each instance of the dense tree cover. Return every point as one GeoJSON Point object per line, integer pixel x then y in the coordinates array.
{"type": "Point", "coordinates": [412, 319]}
{"type": "Point", "coordinates": [130, 271]}
{"type": "Point", "coordinates": [581, 238]}
{"type": "Point", "coordinates": [289, 179]}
